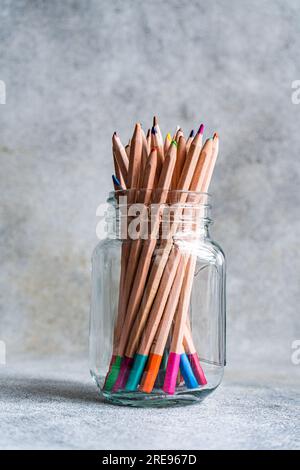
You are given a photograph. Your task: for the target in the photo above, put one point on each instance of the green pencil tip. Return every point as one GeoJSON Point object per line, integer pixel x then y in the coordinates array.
{"type": "Point", "coordinates": [174, 143]}
{"type": "Point", "coordinates": [113, 374]}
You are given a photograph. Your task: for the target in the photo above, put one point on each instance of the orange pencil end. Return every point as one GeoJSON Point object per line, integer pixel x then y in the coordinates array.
{"type": "Point", "coordinates": [151, 373]}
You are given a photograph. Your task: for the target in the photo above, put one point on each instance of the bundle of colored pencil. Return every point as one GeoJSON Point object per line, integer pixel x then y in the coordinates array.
{"type": "Point", "coordinates": [152, 336]}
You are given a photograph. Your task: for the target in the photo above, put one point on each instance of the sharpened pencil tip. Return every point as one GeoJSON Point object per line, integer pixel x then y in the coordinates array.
{"type": "Point", "coordinates": [216, 135]}
{"type": "Point", "coordinates": [192, 133]}
{"type": "Point", "coordinates": [174, 143]}
{"type": "Point", "coordinates": [115, 180]}
{"type": "Point", "coordinates": [155, 121]}
{"type": "Point", "coordinates": [201, 129]}
{"type": "Point", "coordinates": [148, 132]}
{"type": "Point", "coordinates": [153, 130]}
{"type": "Point", "coordinates": [169, 137]}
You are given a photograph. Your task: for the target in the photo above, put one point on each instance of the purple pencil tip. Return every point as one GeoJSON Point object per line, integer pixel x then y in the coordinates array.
{"type": "Point", "coordinates": [201, 129]}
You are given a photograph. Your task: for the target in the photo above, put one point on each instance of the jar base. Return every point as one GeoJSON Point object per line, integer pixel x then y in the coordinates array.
{"type": "Point", "coordinates": [183, 396]}
{"type": "Point", "coordinates": [156, 399]}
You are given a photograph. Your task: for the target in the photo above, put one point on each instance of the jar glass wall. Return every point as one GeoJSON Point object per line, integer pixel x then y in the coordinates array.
{"type": "Point", "coordinates": [157, 325]}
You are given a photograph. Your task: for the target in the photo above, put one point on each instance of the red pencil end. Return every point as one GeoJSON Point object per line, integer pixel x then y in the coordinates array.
{"type": "Point", "coordinates": [123, 374]}
{"type": "Point", "coordinates": [197, 369]}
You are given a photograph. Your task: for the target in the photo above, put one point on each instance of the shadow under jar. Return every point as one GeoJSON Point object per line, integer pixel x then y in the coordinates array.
{"type": "Point", "coordinates": [157, 323]}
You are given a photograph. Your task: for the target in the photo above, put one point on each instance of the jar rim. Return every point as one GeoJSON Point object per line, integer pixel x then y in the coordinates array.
{"type": "Point", "coordinates": [175, 191]}
{"type": "Point", "coordinates": [173, 195]}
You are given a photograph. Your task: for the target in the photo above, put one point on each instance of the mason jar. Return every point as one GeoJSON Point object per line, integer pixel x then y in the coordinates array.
{"type": "Point", "coordinates": [158, 304]}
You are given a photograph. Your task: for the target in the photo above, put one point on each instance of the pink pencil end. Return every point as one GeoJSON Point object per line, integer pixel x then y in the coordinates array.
{"type": "Point", "coordinates": [197, 369]}
{"type": "Point", "coordinates": [171, 373]}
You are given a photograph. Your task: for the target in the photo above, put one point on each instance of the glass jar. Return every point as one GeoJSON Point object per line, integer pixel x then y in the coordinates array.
{"type": "Point", "coordinates": [157, 324]}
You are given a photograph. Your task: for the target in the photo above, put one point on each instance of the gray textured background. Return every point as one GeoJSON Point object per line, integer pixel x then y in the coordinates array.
{"type": "Point", "coordinates": [77, 70]}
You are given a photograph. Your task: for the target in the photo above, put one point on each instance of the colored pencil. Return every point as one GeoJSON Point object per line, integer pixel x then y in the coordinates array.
{"type": "Point", "coordinates": [120, 157]}
{"type": "Point", "coordinates": [135, 158]}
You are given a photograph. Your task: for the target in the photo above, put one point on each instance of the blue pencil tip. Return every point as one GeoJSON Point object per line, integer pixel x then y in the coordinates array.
{"type": "Point", "coordinates": [115, 180]}
{"type": "Point", "coordinates": [153, 130]}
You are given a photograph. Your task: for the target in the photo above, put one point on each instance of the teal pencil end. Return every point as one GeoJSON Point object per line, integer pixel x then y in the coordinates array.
{"type": "Point", "coordinates": [136, 372]}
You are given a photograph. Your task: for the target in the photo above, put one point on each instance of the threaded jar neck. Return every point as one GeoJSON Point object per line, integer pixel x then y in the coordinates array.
{"type": "Point", "coordinates": [158, 214]}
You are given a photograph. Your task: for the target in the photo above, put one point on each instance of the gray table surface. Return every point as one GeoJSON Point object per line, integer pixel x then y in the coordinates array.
{"type": "Point", "coordinates": [52, 403]}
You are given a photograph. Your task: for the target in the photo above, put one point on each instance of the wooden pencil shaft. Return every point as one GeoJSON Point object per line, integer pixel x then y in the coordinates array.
{"type": "Point", "coordinates": [132, 176]}
{"type": "Point", "coordinates": [183, 306]}
{"type": "Point", "coordinates": [182, 333]}
{"type": "Point", "coordinates": [202, 167]}
{"type": "Point", "coordinates": [188, 143]}
{"type": "Point", "coordinates": [145, 154]}
{"type": "Point", "coordinates": [144, 197]}
{"type": "Point", "coordinates": [135, 158]}
{"type": "Point", "coordinates": [156, 272]}
{"type": "Point", "coordinates": [179, 134]}
{"type": "Point", "coordinates": [186, 179]}
{"type": "Point", "coordinates": [121, 157]}
{"type": "Point", "coordinates": [158, 131]}
{"type": "Point", "coordinates": [214, 156]}
{"type": "Point", "coordinates": [155, 144]}
{"type": "Point", "coordinates": [118, 173]}
{"type": "Point", "coordinates": [159, 303]}
{"type": "Point", "coordinates": [148, 139]}
{"type": "Point", "coordinates": [120, 315]}
{"type": "Point", "coordinates": [181, 157]}
{"type": "Point", "coordinates": [163, 331]}
{"type": "Point", "coordinates": [190, 164]}
{"type": "Point", "coordinates": [167, 143]}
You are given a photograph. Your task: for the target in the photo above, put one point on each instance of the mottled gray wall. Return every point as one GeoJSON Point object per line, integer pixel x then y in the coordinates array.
{"type": "Point", "coordinates": [77, 70]}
